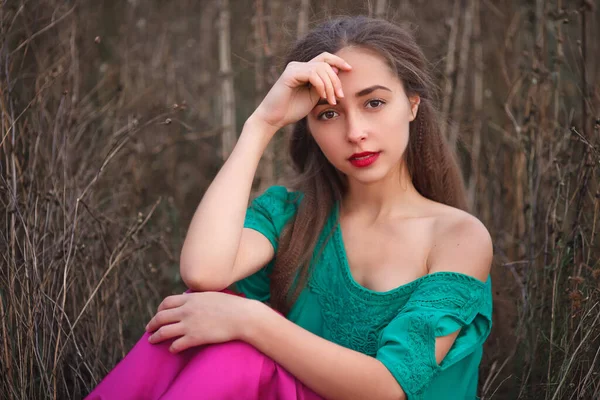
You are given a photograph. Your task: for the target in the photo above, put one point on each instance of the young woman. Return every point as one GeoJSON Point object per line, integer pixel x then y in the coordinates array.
{"type": "Point", "coordinates": [376, 277]}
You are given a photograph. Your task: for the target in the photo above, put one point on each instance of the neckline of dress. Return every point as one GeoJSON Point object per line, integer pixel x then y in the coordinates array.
{"type": "Point", "coordinates": [398, 291]}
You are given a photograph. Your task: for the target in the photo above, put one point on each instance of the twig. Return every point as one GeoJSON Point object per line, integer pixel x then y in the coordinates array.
{"type": "Point", "coordinates": [113, 263]}
{"type": "Point", "coordinates": [47, 27]}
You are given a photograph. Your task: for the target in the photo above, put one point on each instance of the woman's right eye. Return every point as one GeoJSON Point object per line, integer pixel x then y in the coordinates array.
{"type": "Point", "coordinates": [327, 115]}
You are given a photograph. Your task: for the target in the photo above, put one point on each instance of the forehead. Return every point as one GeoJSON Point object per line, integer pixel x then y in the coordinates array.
{"type": "Point", "coordinates": [368, 68]}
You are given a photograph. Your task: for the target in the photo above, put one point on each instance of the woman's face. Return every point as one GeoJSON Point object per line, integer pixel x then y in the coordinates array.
{"type": "Point", "coordinates": [373, 118]}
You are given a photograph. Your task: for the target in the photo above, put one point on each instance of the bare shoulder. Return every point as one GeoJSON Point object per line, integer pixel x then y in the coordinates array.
{"type": "Point", "coordinates": [460, 243]}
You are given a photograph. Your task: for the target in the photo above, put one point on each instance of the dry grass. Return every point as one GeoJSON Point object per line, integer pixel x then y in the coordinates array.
{"type": "Point", "coordinates": [108, 139]}
{"type": "Point", "coordinates": [76, 283]}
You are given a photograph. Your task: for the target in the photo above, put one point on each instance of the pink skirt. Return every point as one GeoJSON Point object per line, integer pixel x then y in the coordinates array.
{"type": "Point", "coordinates": [233, 370]}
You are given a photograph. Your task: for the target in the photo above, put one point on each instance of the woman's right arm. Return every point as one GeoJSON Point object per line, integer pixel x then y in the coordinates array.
{"type": "Point", "coordinates": [217, 250]}
{"type": "Point", "coordinates": [213, 239]}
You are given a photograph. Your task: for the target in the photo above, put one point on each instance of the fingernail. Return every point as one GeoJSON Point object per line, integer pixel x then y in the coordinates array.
{"type": "Point", "coordinates": [335, 70]}
{"type": "Point", "coordinates": [341, 92]}
{"type": "Point", "coordinates": [150, 338]}
{"type": "Point", "coordinates": [348, 65]}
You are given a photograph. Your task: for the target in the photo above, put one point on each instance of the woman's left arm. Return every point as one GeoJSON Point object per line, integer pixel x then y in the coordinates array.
{"type": "Point", "coordinates": [331, 370]}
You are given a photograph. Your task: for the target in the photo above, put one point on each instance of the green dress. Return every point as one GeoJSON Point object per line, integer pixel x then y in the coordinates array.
{"type": "Point", "coordinates": [398, 327]}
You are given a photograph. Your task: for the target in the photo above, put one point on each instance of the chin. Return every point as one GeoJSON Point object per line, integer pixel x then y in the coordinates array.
{"type": "Point", "coordinates": [368, 177]}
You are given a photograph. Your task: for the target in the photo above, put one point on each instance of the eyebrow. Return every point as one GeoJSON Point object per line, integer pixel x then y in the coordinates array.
{"type": "Point", "coordinates": [361, 93]}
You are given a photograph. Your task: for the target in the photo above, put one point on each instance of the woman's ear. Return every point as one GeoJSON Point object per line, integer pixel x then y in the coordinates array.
{"type": "Point", "coordinates": [414, 100]}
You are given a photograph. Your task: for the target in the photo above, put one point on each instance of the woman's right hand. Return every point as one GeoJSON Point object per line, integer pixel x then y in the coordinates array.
{"type": "Point", "coordinates": [299, 88]}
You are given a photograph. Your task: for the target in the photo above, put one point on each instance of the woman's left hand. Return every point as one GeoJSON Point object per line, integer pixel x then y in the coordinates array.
{"type": "Point", "coordinates": [195, 319]}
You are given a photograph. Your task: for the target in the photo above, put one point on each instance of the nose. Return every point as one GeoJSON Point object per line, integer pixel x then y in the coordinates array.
{"type": "Point", "coordinates": [356, 128]}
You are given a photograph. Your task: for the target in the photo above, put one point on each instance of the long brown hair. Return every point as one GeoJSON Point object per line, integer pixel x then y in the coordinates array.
{"type": "Point", "coordinates": [431, 164]}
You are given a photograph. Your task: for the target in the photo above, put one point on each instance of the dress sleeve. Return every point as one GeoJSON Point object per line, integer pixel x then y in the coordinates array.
{"type": "Point", "coordinates": [267, 214]}
{"type": "Point", "coordinates": [443, 303]}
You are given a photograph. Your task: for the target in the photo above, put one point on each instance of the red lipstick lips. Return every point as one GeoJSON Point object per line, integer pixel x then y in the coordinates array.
{"type": "Point", "coordinates": [364, 159]}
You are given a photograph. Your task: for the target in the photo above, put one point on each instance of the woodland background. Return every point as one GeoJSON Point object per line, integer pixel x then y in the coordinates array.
{"type": "Point", "coordinates": [116, 115]}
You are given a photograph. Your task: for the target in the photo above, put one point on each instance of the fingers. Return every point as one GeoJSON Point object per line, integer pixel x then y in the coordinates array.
{"type": "Point", "coordinates": [333, 60]}
{"type": "Point", "coordinates": [163, 317]}
{"type": "Point", "coordinates": [321, 75]}
{"type": "Point", "coordinates": [183, 343]}
{"type": "Point", "coordinates": [167, 332]}
{"type": "Point", "coordinates": [329, 89]}
{"type": "Point", "coordinates": [325, 80]}
{"type": "Point", "coordinates": [332, 72]}
{"type": "Point", "coordinates": [315, 79]}
{"type": "Point", "coordinates": [172, 302]}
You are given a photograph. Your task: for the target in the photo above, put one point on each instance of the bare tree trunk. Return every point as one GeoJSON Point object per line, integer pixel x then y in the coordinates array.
{"type": "Point", "coordinates": [303, 18]}
{"type": "Point", "coordinates": [263, 49]}
{"type": "Point", "coordinates": [450, 64]}
{"type": "Point", "coordinates": [207, 22]}
{"type": "Point", "coordinates": [477, 105]}
{"type": "Point", "coordinates": [277, 27]}
{"type": "Point", "coordinates": [260, 50]}
{"type": "Point", "coordinates": [301, 30]}
{"type": "Point", "coordinates": [380, 8]}
{"type": "Point", "coordinates": [227, 95]}
{"type": "Point", "coordinates": [461, 77]}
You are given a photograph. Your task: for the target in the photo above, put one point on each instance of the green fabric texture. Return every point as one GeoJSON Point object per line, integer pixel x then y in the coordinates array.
{"type": "Point", "coordinates": [267, 214]}
{"type": "Point", "coordinates": [397, 327]}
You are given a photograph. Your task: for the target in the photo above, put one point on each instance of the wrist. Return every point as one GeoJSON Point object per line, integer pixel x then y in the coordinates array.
{"type": "Point", "coordinates": [256, 314]}
{"type": "Point", "coordinates": [256, 134]}
{"type": "Point", "coordinates": [260, 126]}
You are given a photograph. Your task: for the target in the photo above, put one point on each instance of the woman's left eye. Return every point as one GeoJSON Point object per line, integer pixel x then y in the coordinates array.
{"type": "Point", "coordinates": [376, 103]}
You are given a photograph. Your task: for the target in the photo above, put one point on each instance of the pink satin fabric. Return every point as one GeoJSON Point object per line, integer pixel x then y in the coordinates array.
{"type": "Point", "coordinates": [233, 370]}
